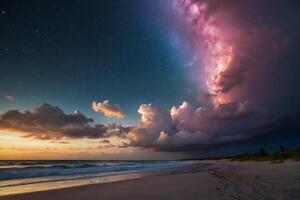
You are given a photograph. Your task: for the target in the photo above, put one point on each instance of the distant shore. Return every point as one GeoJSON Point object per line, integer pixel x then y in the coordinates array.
{"type": "Point", "coordinates": [223, 179]}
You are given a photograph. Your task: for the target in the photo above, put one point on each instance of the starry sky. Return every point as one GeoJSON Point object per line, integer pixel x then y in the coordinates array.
{"type": "Point", "coordinates": [139, 79]}
{"type": "Point", "coordinates": [71, 54]}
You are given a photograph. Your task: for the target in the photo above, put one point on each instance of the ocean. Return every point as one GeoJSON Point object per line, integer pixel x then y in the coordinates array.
{"type": "Point", "coordinates": [30, 176]}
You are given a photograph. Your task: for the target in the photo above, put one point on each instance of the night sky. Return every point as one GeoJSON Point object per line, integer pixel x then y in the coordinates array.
{"type": "Point", "coordinates": [71, 54]}
{"type": "Point", "coordinates": [148, 79]}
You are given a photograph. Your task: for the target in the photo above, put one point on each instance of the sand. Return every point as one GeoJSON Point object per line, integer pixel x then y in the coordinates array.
{"type": "Point", "coordinates": [223, 180]}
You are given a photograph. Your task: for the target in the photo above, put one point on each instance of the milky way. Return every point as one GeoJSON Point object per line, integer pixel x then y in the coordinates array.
{"type": "Point", "coordinates": [215, 42]}
{"type": "Point", "coordinates": [238, 53]}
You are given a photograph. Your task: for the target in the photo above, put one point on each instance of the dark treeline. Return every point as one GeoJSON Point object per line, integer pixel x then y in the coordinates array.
{"type": "Point", "coordinates": [262, 155]}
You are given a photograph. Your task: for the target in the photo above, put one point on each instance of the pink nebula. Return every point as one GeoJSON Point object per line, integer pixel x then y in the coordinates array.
{"type": "Point", "coordinates": [214, 39]}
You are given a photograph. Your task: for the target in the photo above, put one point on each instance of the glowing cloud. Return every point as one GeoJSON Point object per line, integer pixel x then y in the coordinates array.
{"type": "Point", "coordinates": [183, 126]}
{"type": "Point", "coordinates": [228, 50]}
{"type": "Point", "coordinates": [214, 39]}
{"type": "Point", "coordinates": [108, 110]}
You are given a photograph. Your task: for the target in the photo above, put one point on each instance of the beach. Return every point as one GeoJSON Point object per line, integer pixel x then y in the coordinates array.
{"type": "Point", "coordinates": [222, 179]}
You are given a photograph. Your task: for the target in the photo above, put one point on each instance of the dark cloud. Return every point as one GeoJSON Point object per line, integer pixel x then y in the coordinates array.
{"type": "Point", "coordinates": [231, 110]}
{"type": "Point", "coordinates": [228, 79]}
{"type": "Point", "coordinates": [184, 126]}
{"type": "Point", "coordinates": [49, 122]}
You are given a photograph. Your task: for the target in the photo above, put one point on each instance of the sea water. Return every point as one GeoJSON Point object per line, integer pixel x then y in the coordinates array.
{"type": "Point", "coordinates": [30, 176]}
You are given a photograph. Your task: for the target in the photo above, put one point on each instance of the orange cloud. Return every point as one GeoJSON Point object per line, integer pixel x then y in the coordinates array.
{"type": "Point", "coordinates": [108, 110]}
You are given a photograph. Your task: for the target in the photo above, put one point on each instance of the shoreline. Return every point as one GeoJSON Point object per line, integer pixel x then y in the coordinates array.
{"type": "Point", "coordinates": [39, 184]}
{"type": "Point", "coordinates": [142, 188]}
{"type": "Point", "coordinates": [220, 180]}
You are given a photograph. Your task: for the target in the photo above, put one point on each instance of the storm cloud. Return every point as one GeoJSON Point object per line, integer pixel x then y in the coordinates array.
{"type": "Point", "coordinates": [50, 122]}
{"type": "Point", "coordinates": [247, 66]}
{"type": "Point", "coordinates": [185, 125]}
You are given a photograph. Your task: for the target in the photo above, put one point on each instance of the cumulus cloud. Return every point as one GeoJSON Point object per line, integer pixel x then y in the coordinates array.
{"type": "Point", "coordinates": [153, 121]}
{"type": "Point", "coordinates": [181, 128]}
{"type": "Point", "coordinates": [50, 122]}
{"type": "Point", "coordinates": [108, 110]}
{"type": "Point", "coordinates": [185, 126]}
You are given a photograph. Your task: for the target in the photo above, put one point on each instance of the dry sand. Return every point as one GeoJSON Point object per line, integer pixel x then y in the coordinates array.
{"type": "Point", "coordinates": [223, 180]}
